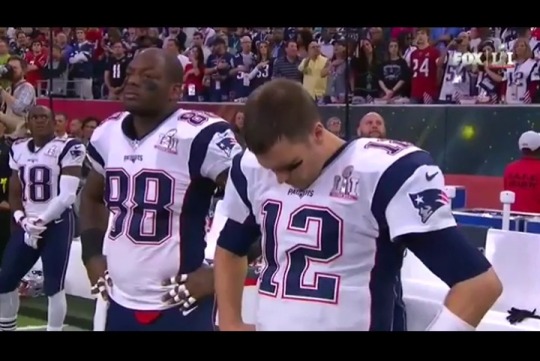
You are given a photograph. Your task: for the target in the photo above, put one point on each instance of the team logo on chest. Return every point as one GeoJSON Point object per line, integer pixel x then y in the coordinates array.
{"type": "Point", "coordinates": [168, 142]}
{"type": "Point", "coordinates": [345, 185]}
{"type": "Point", "coordinates": [52, 151]}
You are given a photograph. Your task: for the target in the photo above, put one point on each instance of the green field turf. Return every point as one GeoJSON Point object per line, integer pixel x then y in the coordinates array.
{"type": "Point", "coordinates": [29, 323]}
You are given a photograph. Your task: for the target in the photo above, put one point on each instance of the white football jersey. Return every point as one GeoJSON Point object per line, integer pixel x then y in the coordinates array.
{"type": "Point", "coordinates": [40, 169]}
{"type": "Point", "coordinates": [456, 79]}
{"type": "Point", "coordinates": [330, 260]}
{"type": "Point", "coordinates": [158, 190]}
{"type": "Point", "coordinates": [519, 82]}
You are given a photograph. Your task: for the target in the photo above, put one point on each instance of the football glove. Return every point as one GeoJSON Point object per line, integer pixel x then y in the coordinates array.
{"type": "Point", "coordinates": [179, 294]}
{"type": "Point", "coordinates": [101, 286]}
{"type": "Point", "coordinates": [31, 226]}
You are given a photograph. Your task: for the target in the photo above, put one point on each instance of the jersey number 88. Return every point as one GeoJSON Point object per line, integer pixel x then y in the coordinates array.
{"type": "Point", "coordinates": [147, 218]}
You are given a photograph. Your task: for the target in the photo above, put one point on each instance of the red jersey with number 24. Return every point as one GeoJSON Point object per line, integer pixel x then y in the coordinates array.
{"type": "Point", "coordinates": [424, 73]}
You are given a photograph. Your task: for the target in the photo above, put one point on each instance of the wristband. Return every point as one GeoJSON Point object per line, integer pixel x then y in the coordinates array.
{"type": "Point", "coordinates": [18, 216]}
{"type": "Point", "coordinates": [446, 320]}
{"type": "Point", "coordinates": [91, 243]}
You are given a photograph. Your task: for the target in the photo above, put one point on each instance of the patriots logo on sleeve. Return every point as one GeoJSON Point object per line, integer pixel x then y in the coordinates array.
{"type": "Point", "coordinates": [428, 202]}
{"type": "Point", "coordinates": [226, 144]}
{"type": "Point", "coordinates": [76, 151]}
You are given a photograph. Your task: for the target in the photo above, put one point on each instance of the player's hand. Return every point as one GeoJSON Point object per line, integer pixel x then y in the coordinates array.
{"type": "Point", "coordinates": [32, 226]}
{"type": "Point", "coordinates": [186, 289]}
{"type": "Point", "coordinates": [96, 268]}
{"type": "Point", "coordinates": [31, 240]}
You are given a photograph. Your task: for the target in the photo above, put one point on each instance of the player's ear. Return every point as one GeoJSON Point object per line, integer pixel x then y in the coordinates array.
{"type": "Point", "coordinates": [318, 131]}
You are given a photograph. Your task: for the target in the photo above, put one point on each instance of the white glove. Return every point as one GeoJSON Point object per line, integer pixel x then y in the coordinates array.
{"type": "Point", "coordinates": [32, 231]}
{"type": "Point", "coordinates": [31, 226]}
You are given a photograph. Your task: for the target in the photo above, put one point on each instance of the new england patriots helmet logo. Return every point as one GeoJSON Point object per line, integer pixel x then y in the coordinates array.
{"type": "Point", "coordinates": [428, 202]}
{"type": "Point", "coordinates": [76, 151]}
{"type": "Point", "coordinates": [226, 144]}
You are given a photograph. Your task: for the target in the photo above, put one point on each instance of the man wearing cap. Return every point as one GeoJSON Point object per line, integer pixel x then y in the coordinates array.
{"type": "Point", "coordinates": [523, 175]}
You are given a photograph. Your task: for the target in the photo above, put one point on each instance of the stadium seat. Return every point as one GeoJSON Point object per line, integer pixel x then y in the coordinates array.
{"type": "Point", "coordinates": [505, 250]}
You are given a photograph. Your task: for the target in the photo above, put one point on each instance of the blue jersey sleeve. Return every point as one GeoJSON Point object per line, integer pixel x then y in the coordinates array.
{"type": "Point", "coordinates": [240, 230]}
{"type": "Point", "coordinates": [410, 197]}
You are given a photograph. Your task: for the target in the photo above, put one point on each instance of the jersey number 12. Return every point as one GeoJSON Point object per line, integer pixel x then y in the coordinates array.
{"type": "Point", "coordinates": [328, 247]}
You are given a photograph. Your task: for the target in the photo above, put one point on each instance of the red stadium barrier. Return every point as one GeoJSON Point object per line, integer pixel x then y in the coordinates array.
{"type": "Point", "coordinates": [482, 191]}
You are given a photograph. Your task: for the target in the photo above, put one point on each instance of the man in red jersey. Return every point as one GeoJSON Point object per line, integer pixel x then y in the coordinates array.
{"type": "Point", "coordinates": [424, 83]}
{"type": "Point", "coordinates": [36, 60]}
{"type": "Point", "coordinates": [523, 175]}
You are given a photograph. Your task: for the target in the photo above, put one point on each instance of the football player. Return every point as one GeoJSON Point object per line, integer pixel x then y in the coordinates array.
{"type": "Point", "coordinates": [42, 189]}
{"type": "Point", "coordinates": [155, 168]}
{"type": "Point", "coordinates": [335, 218]}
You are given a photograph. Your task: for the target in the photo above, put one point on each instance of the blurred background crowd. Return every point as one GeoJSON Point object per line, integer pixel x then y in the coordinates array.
{"type": "Point", "coordinates": [336, 65]}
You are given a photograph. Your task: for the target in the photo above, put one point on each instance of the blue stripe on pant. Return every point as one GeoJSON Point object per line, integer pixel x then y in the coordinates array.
{"type": "Point", "coordinates": [202, 318]}
{"type": "Point", "coordinates": [53, 248]}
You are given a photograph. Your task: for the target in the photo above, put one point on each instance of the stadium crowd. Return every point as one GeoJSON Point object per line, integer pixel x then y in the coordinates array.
{"type": "Point", "coordinates": [335, 64]}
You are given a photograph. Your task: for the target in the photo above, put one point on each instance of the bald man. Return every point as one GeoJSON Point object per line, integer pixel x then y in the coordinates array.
{"type": "Point", "coordinates": [371, 126]}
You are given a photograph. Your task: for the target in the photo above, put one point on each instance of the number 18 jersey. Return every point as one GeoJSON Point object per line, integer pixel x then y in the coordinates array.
{"type": "Point", "coordinates": [39, 169]}
{"type": "Point", "coordinates": [158, 190]}
{"type": "Point", "coordinates": [331, 262]}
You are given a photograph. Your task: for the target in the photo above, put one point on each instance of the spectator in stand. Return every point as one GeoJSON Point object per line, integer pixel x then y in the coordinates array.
{"type": "Point", "coordinates": [334, 125]}
{"type": "Point", "coordinates": [153, 34]}
{"type": "Point", "coordinates": [327, 41]}
{"type": "Point", "coordinates": [115, 72]}
{"type": "Point", "coordinates": [178, 34]}
{"type": "Point", "coordinates": [62, 42]}
{"type": "Point", "coordinates": [57, 73]}
{"type": "Point", "coordinates": [337, 79]}
{"type": "Point", "coordinates": [75, 128]}
{"type": "Point", "coordinates": [457, 79]}
{"type": "Point", "coordinates": [173, 47]}
{"type": "Point", "coordinates": [394, 74]}
{"type": "Point", "coordinates": [19, 47]}
{"type": "Point", "coordinates": [36, 60]}
{"type": "Point", "coordinates": [237, 125]}
{"type": "Point", "coordinates": [365, 69]}
{"type": "Point", "coordinates": [235, 40]}
{"type": "Point", "coordinates": [424, 60]}
{"type": "Point", "coordinates": [315, 68]}
{"type": "Point", "coordinates": [194, 75]}
{"type": "Point", "coordinates": [489, 79]}
{"type": "Point", "coordinates": [130, 38]}
{"type": "Point", "coordinates": [521, 82]}
{"type": "Point", "coordinates": [287, 66]}
{"type": "Point", "coordinates": [82, 67]}
{"type": "Point", "coordinates": [396, 33]}
{"type": "Point", "coordinates": [217, 68]}
{"type": "Point", "coordinates": [243, 64]}
{"type": "Point", "coordinates": [61, 123]}
{"type": "Point", "coordinates": [198, 40]}
{"type": "Point", "coordinates": [371, 126]}
{"type": "Point", "coordinates": [262, 72]}
{"type": "Point", "coordinates": [279, 45]}
{"type": "Point", "coordinates": [304, 39]}
{"type": "Point", "coordinates": [484, 35]}
{"type": "Point", "coordinates": [441, 37]}
{"type": "Point", "coordinates": [523, 175]}
{"type": "Point", "coordinates": [406, 43]}
{"type": "Point", "coordinates": [534, 44]}
{"type": "Point", "coordinates": [88, 125]}
{"type": "Point", "coordinates": [378, 43]}
{"type": "Point", "coordinates": [4, 57]}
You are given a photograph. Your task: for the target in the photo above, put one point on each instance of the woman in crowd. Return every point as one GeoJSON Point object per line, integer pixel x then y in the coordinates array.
{"type": "Point", "coordinates": [365, 69]}
{"type": "Point", "coordinates": [393, 74]}
{"type": "Point", "coordinates": [237, 124]}
{"type": "Point", "coordinates": [337, 81]}
{"type": "Point", "coordinates": [262, 72]}
{"type": "Point", "coordinates": [194, 75]}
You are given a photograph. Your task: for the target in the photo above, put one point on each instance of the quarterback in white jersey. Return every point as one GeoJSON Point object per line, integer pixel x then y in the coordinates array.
{"type": "Point", "coordinates": [158, 189]}
{"type": "Point", "coordinates": [335, 219]}
{"type": "Point", "coordinates": [46, 174]}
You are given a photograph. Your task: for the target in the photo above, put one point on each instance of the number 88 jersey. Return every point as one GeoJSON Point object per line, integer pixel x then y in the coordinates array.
{"type": "Point", "coordinates": [158, 190]}
{"type": "Point", "coordinates": [39, 169]}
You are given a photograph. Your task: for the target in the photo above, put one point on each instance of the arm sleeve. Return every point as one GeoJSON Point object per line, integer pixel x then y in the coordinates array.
{"type": "Point", "coordinates": [96, 154]}
{"type": "Point", "coordinates": [240, 230]}
{"type": "Point", "coordinates": [12, 163]}
{"type": "Point", "coordinates": [212, 151]}
{"type": "Point", "coordinates": [73, 154]}
{"type": "Point", "coordinates": [410, 198]}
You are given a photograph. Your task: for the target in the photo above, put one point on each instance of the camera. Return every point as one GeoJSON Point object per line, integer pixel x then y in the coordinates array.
{"type": "Point", "coordinates": [6, 72]}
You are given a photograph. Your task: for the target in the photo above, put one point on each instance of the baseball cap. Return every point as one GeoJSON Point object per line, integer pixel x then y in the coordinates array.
{"type": "Point", "coordinates": [529, 140]}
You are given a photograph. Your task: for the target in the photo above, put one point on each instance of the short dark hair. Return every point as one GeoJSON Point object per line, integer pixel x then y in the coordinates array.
{"type": "Point", "coordinates": [87, 120]}
{"type": "Point", "coordinates": [279, 109]}
{"type": "Point", "coordinates": [21, 61]}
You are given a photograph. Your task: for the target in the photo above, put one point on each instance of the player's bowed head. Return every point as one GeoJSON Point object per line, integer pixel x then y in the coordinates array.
{"type": "Point", "coordinates": [283, 128]}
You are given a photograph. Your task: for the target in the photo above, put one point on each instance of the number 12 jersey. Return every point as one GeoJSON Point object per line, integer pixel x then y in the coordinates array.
{"type": "Point", "coordinates": [331, 262]}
